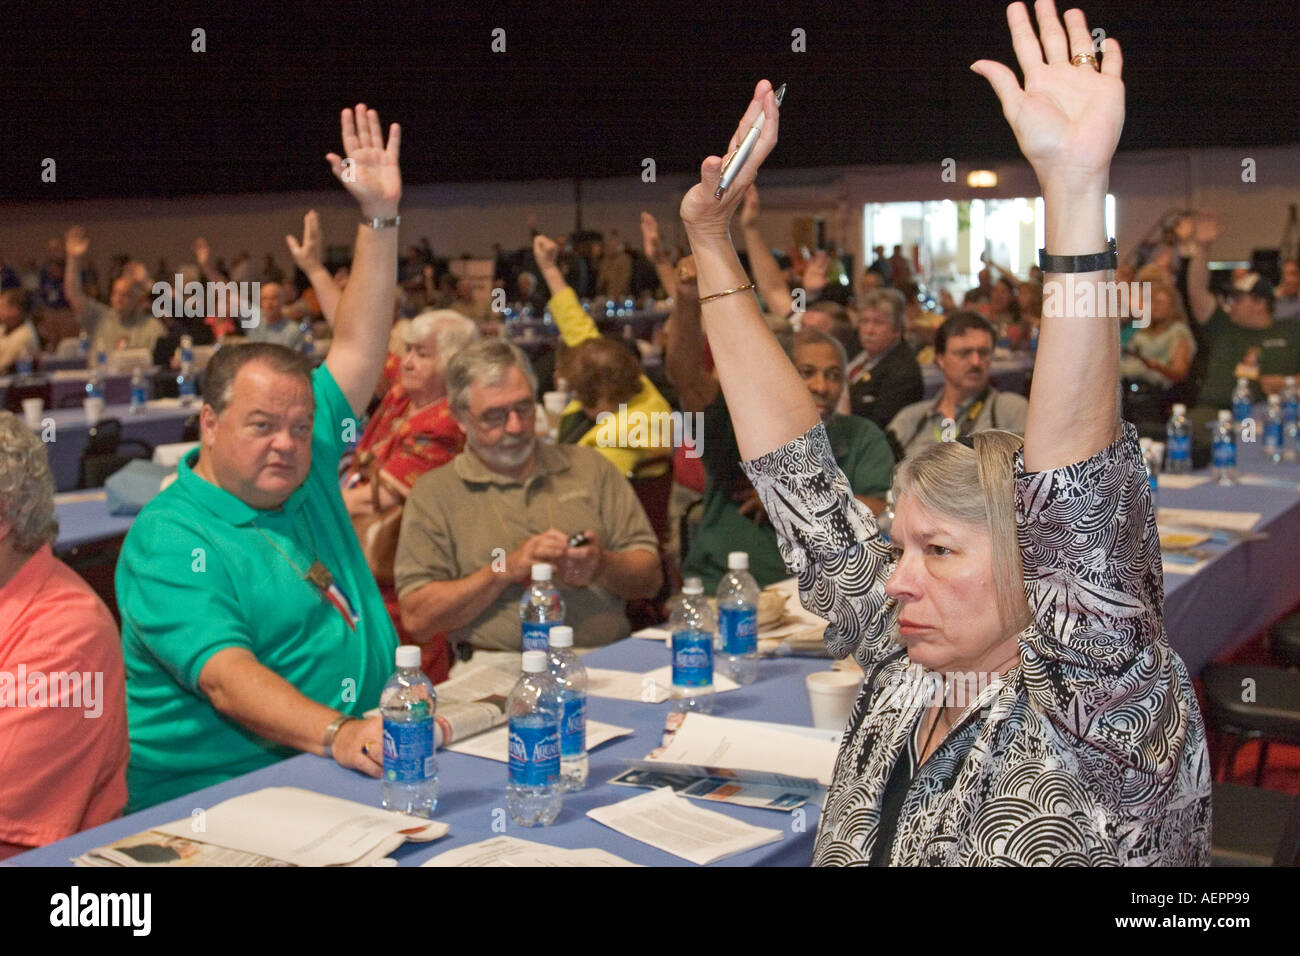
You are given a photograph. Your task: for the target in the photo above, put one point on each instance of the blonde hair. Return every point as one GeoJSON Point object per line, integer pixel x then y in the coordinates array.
{"type": "Point", "coordinates": [976, 486]}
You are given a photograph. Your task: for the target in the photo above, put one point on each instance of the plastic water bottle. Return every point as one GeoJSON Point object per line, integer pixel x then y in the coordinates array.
{"type": "Point", "coordinates": [738, 619]}
{"type": "Point", "coordinates": [1290, 419]}
{"type": "Point", "coordinates": [409, 704]}
{"type": "Point", "coordinates": [138, 397]}
{"type": "Point", "coordinates": [95, 384]}
{"type": "Point", "coordinates": [1242, 403]}
{"type": "Point", "coordinates": [83, 347]}
{"type": "Point", "coordinates": [1225, 450]}
{"type": "Point", "coordinates": [540, 609]}
{"type": "Point", "coordinates": [1273, 429]}
{"type": "Point", "coordinates": [570, 679]}
{"type": "Point", "coordinates": [1153, 467]}
{"type": "Point", "coordinates": [185, 385]}
{"type": "Point", "coordinates": [25, 365]}
{"type": "Point", "coordinates": [307, 343]}
{"type": "Point", "coordinates": [1178, 442]}
{"type": "Point", "coordinates": [534, 791]}
{"type": "Point", "coordinates": [694, 630]}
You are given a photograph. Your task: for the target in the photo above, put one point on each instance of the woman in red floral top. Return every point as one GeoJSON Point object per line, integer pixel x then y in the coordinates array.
{"type": "Point", "coordinates": [410, 433]}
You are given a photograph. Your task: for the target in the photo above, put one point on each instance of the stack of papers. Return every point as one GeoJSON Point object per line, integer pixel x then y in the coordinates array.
{"type": "Point", "coordinates": [652, 687]}
{"type": "Point", "coordinates": [511, 851]}
{"type": "Point", "coordinates": [667, 822]}
{"type": "Point", "coordinates": [276, 826]}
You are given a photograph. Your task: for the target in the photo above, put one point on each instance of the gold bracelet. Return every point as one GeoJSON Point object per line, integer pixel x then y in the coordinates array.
{"type": "Point", "coordinates": [719, 295]}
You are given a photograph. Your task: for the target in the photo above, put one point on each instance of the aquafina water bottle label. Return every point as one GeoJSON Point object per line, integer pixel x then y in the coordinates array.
{"type": "Point", "coordinates": [692, 659]}
{"type": "Point", "coordinates": [1241, 409]}
{"type": "Point", "coordinates": [573, 726]}
{"type": "Point", "coordinates": [1273, 433]}
{"type": "Point", "coordinates": [1225, 453]}
{"type": "Point", "coordinates": [534, 753]}
{"type": "Point", "coordinates": [408, 750]}
{"type": "Point", "coordinates": [537, 635]}
{"type": "Point", "coordinates": [739, 627]}
{"type": "Point", "coordinates": [1291, 409]}
{"type": "Point", "coordinates": [1180, 448]}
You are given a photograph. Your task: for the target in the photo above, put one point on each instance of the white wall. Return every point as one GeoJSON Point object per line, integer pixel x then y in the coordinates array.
{"type": "Point", "coordinates": [465, 217]}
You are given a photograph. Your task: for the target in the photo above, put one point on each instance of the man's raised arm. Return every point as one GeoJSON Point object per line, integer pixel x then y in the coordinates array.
{"type": "Point", "coordinates": [365, 312]}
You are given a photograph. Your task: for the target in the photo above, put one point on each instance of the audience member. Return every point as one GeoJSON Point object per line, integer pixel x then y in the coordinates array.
{"type": "Point", "coordinates": [968, 403]}
{"type": "Point", "coordinates": [614, 275]}
{"type": "Point", "coordinates": [17, 328]}
{"type": "Point", "coordinates": [272, 326]}
{"type": "Point", "coordinates": [900, 269]}
{"type": "Point", "coordinates": [63, 755]}
{"type": "Point", "coordinates": [733, 518]}
{"type": "Point", "coordinates": [1243, 342]}
{"type": "Point", "coordinates": [128, 320]}
{"type": "Point", "coordinates": [472, 531]}
{"type": "Point", "coordinates": [885, 375]}
{"type": "Point", "coordinates": [251, 625]}
{"type": "Point", "coordinates": [1286, 301]}
{"type": "Point", "coordinates": [1161, 354]}
{"type": "Point", "coordinates": [411, 432]}
{"type": "Point", "coordinates": [615, 404]}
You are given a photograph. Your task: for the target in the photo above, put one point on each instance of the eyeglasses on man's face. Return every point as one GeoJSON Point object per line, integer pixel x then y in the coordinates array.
{"type": "Point", "coordinates": [499, 416]}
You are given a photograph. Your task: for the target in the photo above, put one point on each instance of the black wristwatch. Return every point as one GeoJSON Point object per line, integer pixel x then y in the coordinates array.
{"type": "Point", "coordinates": [1096, 262]}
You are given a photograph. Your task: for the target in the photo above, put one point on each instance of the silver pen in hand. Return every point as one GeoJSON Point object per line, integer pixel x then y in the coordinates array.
{"type": "Point", "coordinates": [732, 165]}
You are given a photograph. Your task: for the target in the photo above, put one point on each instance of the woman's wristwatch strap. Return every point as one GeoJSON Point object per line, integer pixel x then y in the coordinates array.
{"type": "Point", "coordinates": [1096, 262]}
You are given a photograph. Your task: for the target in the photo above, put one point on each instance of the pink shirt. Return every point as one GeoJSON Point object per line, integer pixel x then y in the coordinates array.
{"type": "Point", "coordinates": [63, 742]}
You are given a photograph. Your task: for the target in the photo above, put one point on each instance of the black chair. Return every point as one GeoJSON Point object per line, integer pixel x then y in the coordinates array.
{"type": "Point", "coordinates": [106, 452]}
{"type": "Point", "coordinates": [1272, 712]}
{"type": "Point", "coordinates": [96, 562]}
{"type": "Point", "coordinates": [1254, 827]}
{"type": "Point", "coordinates": [1284, 640]}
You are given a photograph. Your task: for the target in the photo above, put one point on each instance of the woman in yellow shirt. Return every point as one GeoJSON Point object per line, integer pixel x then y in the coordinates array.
{"type": "Point", "coordinates": [616, 409]}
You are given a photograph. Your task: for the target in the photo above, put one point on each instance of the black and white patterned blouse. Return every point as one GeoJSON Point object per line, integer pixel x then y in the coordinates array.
{"type": "Point", "coordinates": [1090, 751]}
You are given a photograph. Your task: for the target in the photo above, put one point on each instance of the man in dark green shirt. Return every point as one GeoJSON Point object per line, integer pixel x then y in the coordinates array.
{"type": "Point", "coordinates": [1243, 341]}
{"type": "Point", "coordinates": [251, 627]}
{"type": "Point", "coordinates": [733, 518]}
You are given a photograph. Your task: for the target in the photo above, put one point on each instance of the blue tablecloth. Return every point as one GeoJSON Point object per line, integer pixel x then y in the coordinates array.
{"type": "Point", "coordinates": [472, 788]}
{"type": "Point", "coordinates": [83, 517]}
{"type": "Point", "coordinates": [1007, 375]}
{"type": "Point", "coordinates": [156, 424]}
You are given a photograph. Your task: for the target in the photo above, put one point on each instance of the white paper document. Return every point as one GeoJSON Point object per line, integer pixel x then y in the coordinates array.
{"type": "Point", "coordinates": [306, 828]}
{"type": "Point", "coordinates": [494, 744]}
{"type": "Point", "coordinates": [785, 756]}
{"type": "Point", "coordinates": [673, 824]}
{"type": "Point", "coordinates": [511, 851]}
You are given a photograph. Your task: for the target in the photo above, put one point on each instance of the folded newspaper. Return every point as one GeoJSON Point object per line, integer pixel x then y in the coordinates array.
{"type": "Point", "coordinates": [275, 826]}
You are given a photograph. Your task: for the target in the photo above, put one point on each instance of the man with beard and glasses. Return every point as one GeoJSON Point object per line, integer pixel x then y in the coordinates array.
{"type": "Point", "coordinates": [472, 531]}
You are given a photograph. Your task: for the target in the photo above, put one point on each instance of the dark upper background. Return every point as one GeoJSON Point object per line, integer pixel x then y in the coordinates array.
{"type": "Point", "coordinates": [114, 94]}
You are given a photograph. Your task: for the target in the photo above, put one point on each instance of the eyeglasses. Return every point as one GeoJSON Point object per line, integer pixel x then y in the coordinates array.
{"type": "Point", "coordinates": [494, 418]}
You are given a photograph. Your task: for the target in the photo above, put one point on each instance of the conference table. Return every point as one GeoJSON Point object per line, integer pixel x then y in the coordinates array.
{"type": "Point", "coordinates": [471, 789]}
{"type": "Point", "coordinates": [158, 422]}
{"type": "Point", "coordinates": [1009, 372]}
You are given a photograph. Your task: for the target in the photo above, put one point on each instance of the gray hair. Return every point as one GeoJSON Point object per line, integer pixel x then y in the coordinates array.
{"type": "Point", "coordinates": [485, 362]}
{"type": "Point", "coordinates": [451, 332]}
{"type": "Point", "coordinates": [975, 486]}
{"type": "Point", "coordinates": [889, 301]}
{"type": "Point", "coordinates": [26, 487]}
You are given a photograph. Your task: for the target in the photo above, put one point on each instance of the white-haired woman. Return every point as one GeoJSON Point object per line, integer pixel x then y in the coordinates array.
{"type": "Point", "coordinates": [1032, 573]}
{"type": "Point", "coordinates": [411, 432]}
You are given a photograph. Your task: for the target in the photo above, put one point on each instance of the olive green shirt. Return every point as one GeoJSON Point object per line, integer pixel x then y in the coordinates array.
{"type": "Point", "coordinates": [464, 516]}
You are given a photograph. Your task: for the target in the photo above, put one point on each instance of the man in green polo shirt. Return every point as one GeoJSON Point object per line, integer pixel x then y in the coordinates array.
{"type": "Point", "coordinates": [1243, 341]}
{"type": "Point", "coordinates": [251, 627]}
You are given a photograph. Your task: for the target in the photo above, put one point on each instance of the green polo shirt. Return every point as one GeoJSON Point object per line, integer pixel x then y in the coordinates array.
{"type": "Point", "coordinates": [860, 448]}
{"type": "Point", "coordinates": [199, 573]}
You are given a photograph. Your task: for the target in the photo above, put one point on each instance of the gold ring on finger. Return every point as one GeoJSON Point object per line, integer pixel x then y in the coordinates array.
{"type": "Point", "coordinates": [1079, 59]}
